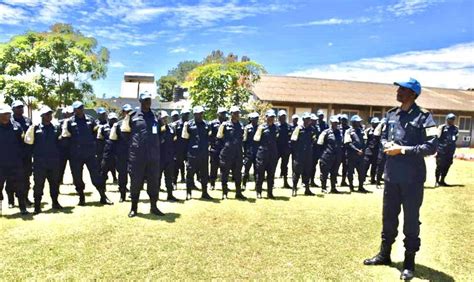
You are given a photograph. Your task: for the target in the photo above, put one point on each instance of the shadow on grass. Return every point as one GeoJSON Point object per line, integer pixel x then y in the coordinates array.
{"type": "Point", "coordinates": [25, 217]}
{"type": "Point", "coordinates": [67, 210]}
{"type": "Point", "coordinates": [95, 204]}
{"type": "Point", "coordinates": [75, 194]}
{"type": "Point", "coordinates": [425, 272]}
{"type": "Point", "coordinates": [280, 198]}
{"type": "Point", "coordinates": [213, 200]}
{"type": "Point", "coordinates": [168, 217]}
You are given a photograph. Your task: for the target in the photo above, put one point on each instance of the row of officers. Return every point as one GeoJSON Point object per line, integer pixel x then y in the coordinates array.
{"type": "Point", "coordinates": [145, 146]}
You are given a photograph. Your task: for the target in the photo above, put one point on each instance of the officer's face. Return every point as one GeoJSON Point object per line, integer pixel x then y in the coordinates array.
{"type": "Point", "coordinates": [295, 121]}
{"type": "Point", "coordinates": [321, 117]}
{"type": "Point", "coordinates": [18, 111]}
{"type": "Point", "coordinates": [405, 95]}
{"type": "Point", "coordinates": [112, 121]}
{"type": "Point", "coordinates": [47, 117]}
{"type": "Point", "coordinates": [145, 104]}
{"type": "Point", "coordinates": [236, 115]}
{"type": "Point", "coordinates": [271, 120]}
{"type": "Point", "coordinates": [198, 116]}
{"type": "Point", "coordinates": [5, 118]}
{"type": "Point", "coordinates": [374, 125]}
{"type": "Point", "coordinates": [103, 116]}
{"type": "Point", "coordinates": [344, 121]}
{"type": "Point", "coordinates": [223, 115]}
{"type": "Point", "coordinates": [175, 118]}
{"type": "Point", "coordinates": [450, 121]}
{"type": "Point", "coordinates": [254, 121]}
{"type": "Point", "coordinates": [79, 111]}
{"type": "Point", "coordinates": [334, 125]}
{"type": "Point", "coordinates": [185, 117]}
{"type": "Point", "coordinates": [307, 122]}
{"type": "Point", "coordinates": [164, 120]}
{"type": "Point", "coordinates": [282, 119]}
{"type": "Point", "coordinates": [356, 124]}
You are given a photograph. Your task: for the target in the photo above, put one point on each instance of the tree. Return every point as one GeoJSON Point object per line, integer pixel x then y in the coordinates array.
{"type": "Point", "coordinates": [258, 106]}
{"type": "Point", "coordinates": [181, 71]}
{"type": "Point", "coordinates": [216, 57]}
{"type": "Point", "coordinates": [216, 85]}
{"type": "Point", "coordinates": [55, 65]}
{"type": "Point", "coordinates": [166, 85]}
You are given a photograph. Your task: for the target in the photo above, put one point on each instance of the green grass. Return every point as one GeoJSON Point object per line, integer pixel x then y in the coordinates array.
{"type": "Point", "coordinates": [317, 238]}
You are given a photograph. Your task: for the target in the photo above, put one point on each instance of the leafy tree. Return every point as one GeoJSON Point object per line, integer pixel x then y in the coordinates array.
{"type": "Point", "coordinates": [51, 67]}
{"type": "Point", "coordinates": [181, 71]}
{"type": "Point", "coordinates": [258, 106]}
{"type": "Point", "coordinates": [166, 85]}
{"type": "Point", "coordinates": [215, 85]}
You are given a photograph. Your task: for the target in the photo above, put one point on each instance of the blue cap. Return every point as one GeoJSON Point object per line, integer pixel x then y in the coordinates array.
{"type": "Point", "coordinates": [451, 116]}
{"type": "Point", "coordinates": [185, 111]}
{"type": "Point", "coordinates": [334, 118]}
{"type": "Point", "coordinates": [77, 105]}
{"type": "Point", "coordinates": [375, 120]}
{"type": "Point", "coordinates": [198, 109]}
{"type": "Point", "coordinates": [112, 115]}
{"type": "Point", "coordinates": [17, 103]}
{"type": "Point", "coordinates": [126, 107]}
{"type": "Point", "coordinates": [344, 116]}
{"type": "Point", "coordinates": [295, 116]}
{"type": "Point", "coordinates": [356, 118]}
{"type": "Point", "coordinates": [270, 113]}
{"type": "Point", "coordinates": [306, 115]}
{"type": "Point", "coordinates": [174, 113]}
{"type": "Point", "coordinates": [412, 84]}
{"type": "Point", "coordinates": [45, 110]}
{"type": "Point", "coordinates": [254, 115]}
{"type": "Point", "coordinates": [320, 113]}
{"type": "Point", "coordinates": [281, 113]}
{"type": "Point", "coordinates": [145, 95]}
{"type": "Point", "coordinates": [101, 110]}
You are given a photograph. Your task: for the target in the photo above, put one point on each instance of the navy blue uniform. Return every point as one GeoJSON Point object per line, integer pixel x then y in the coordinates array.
{"type": "Point", "coordinates": [100, 142]}
{"type": "Point", "coordinates": [64, 150]}
{"type": "Point", "coordinates": [11, 167]}
{"type": "Point", "coordinates": [231, 135]}
{"type": "Point", "coordinates": [267, 156]}
{"type": "Point", "coordinates": [214, 150]}
{"type": "Point", "coordinates": [381, 156]}
{"type": "Point", "coordinates": [302, 141]}
{"type": "Point", "coordinates": [83, 151]}
{"type": "Point", "coordinates": [371, 153]}
{"type": "Point", "coordinates": [46, 159]}
{"type": "Point", "coordinates": [406, 173]}
{"type": "Point", "coordinates": [197, 134]}
{"type": "Point", "coordinates": [331, 142]}
{"type": "Point", "coordinates": [108, 160]}
{"type": "Point", "coordinates": [144, 153]}
{"type": "Point", "coordinates": [447, 137]}
{"type": "Point", "coordinates": [118, 144]}
{"type": "Point", "coordinates": [283, 145]}
{"type": "Point", "coordinates": [167, 159]}
{"type": "Point", "coordinates": [181, 150]}
{"type": "Point", "coordinates": [250, 151]}
{"type": "Point", "coordinates": [343, 129]}
{"type": "Point", "coordinates": [316, 152]}
{"type": "Point", "coordinates": [354, 141]}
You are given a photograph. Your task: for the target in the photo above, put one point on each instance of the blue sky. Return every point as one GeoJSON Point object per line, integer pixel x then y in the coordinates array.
{"type": "Point", "coordinates": [381, 41]}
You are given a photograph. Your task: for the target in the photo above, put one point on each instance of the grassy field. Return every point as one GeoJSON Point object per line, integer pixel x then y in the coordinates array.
{"type": "Point", "coordinates": [317, 238]}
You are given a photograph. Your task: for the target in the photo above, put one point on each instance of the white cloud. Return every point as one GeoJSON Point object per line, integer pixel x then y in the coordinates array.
{"type": "Point", "coordinates": [330, 44]}
{"type": "Point", "coordinates": [333, 21]}
{"type": "Point", "coordinates": [178, 50]}
{"type": "Point", "coordinates": [451, 67]}
{"type": "Point", "coordinates": [137, 53]}
{"type": "Point", "coordinates": [117, 65]}
{"type": "Point", "coordinates": [11, 16]}
{"type": "Point", "coordinates": [410, 7]}
{"type": "Point", "coordinates": [235, 29]}
{"type": "Point", "coordinates": [43, 11]}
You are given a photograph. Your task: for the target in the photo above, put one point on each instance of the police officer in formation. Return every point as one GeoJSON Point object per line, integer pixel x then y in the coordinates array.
{"type": "Point", "coordinates": [250, 147]}
{"type": "Point", "coordinates": [181, 146]}
{"type": "Point", "coordinates": [197, 132]}
{"type": "Point", "coordinates": [372, 149]}
{"type": "Point", "coordinates": [283, 144]}
{"type": "Point", "coordinates": [108, 160]}
{"type": "Point", "coordinates": [230, 136]}
{"type": "Point", "coordinates": [330, 141]}
{"type": "Point", "coordinates": [215, 145]}
{"type": "Point", "coordinates": [64, 143]}
{"type": "Point", "coordinates": [80, 128]}
{"type": "Point", "coordinates": [267, 154]}
{"type": "Point", "coordinates": [381, 156]}
{"type": "Point", "coordinates": [144, 153]}
{"type": "Point", "coordinates": [447, 136]}
{"type": "Point", "coordinates": [316, 149]}
{"type": "Point", "coordinates": [44, 139]}
{"type": "Point", "coordinates": [168, 156]}
{"type": "Point", "coordinates": [409, 135]}
{"type": "Point", "coordinates": [344, 120]}
{"type": "Point", "coordinates": [302, 140]}
{"type": "Point", "coordinates": [354, 140]}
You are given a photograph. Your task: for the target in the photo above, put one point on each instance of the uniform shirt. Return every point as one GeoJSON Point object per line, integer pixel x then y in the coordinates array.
{"type": "Point", "coordinates": [447, 137]}
{"type": "Point", "coordinates": [416, 130]}
{"type": "Point", "coordinates": [267, 136]}
{"type": "Point", "coordinates": [12, 144]}
{"type": "Point", "coordinates": [64, 143]}
{"type": "Point", "coordinates": [302, 140]}
{"type": "Point", "coordinates": [216, 146]}
{"type": "Point", "coordinates": [354, 140]}
{"type": "Point", "coordinates": [25, 123]}
{"type": "Point", "coordinates": [331, 142]}
{"type": "Point", "coordinates": [197, 134]}
{"type": "Point", "coordinates": [168, 138]}
{"type": "Point", "coordinates": [144, 128]}
{"type": "Point", "coordinates": [283, 140]}
{"type": "Point", "coordinates": [373, 142]}
{"type": "Point", "coordinates": [120, 140]}
{"type": "Point", "coordinates": [103, 134]}
{"type": "Point", "coordinates": [231, 134]}
{"type": "Point", "coordinates": [250, 146]}
{"type": "Point", "coordinates": [82, 136]}
{"type": "Point", "coordinates": [45, 142]}
{"type": "Point", "coordinates": [322, 125]}
{"type": "Point", "coordinates": [181, 144]}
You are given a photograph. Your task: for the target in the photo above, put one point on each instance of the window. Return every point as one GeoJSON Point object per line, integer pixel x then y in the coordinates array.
{"type": "Point", "coordinates": [377, 114]}
{"type": "Point", "coordinates": [439, 119]}
{"type": "Point", "coordinates": [465, 123]}
{"type": "Point", "coordinates": [300, 111]}
{"type": "Point", "coordinates": [350, 113]}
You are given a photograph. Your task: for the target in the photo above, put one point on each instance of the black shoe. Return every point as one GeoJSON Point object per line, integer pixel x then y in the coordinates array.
{"type": "Point", "coordinates": [444, 184]}
{"type": "Point", "coordinates": [132, 213]}
{"type": "Point", "coordinates": [312, 184]}
{"type": "Point", "coordinates": [171, 199]}
{"type": "Point", "coordinates": [24, 212]}
{"type": "Point", "coordinates": [335, 191]}
{"type": "Point", "coordinates": [379, 259]}
{"type": "Point", "coordinates": [270, 196]}
{"type": "Point", "coordinates": [206, 197]}
{"type": "Point", "coordinates": [259, 195]}
{"type": "Point", "coordinates": [57, 206]}
{"type": "Point", "coordinates": [156, 211]}
{"type": "Point", "coordinates": [372, 182]}
{"type": "Point", "coordinates": [407, 274]}
{"type": "Point", "coordinates": [240, 196]}
{"type": "Point", "coordinates": [188, 196]}
{"type": "Point", "coordinates": [37, 210]}
{"type": "Point", "coordinates": [294, 192]}
{"type": "Point", "coordinates": [28, 202]}
{"type": "Point", "coordinates": [344, 184]}
{"type": "Point", "coordinates": [105, 201]}
{"type": "Point", "coordinates": [82, 200]}
{"type": "Point", "coordinates": [362, 190]}
{"type": "Point", "coordinates": [308, 192]}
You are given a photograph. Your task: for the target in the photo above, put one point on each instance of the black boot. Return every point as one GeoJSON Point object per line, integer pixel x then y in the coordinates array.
{"type": "Point", "coordinates": [285, 182]}
{"type": "Point", "coordinates": [307, 191]}
{"type": "Point", "coordinates": [362, 189]}
{"type": "Point", "coordinates": [103, 198]}
{"type": "Point", "coordinates": [351, 186]}
{"type": "Point", "coordinates": [123, 196]}
{"type": "Point", "coordinates": [205, 195]}
{"type": "Point", "coordinates": [153, 209]}
{"type": "Point", "coordinates": [37, 206]}
{"type": "Point", "coordinates": [295, 189]}
{"type": "Point", "coordinates": [225, 191]}
{"type": "Point", "coordinates": [343, 182]}
{"type": "Point", "coordinates": [270, 193]}
{"type": "Point", "coordinates": [11, 200]}
{"type": "Point", "coordinates": [323, 186]}
{"type": "Point", "coordinates": [213, 184]}
{"type": "Point", "coordinates": [333, 189]}
{"type": "Point", "coordinates": [133, 210]}
{"type": "Point", "coordinates": [408, 267]}
{"type": "Point", "coordinates": [238, 194]}
{"type": "Point", "coordinates": [382, 258]}
{"type": "Point", "coordinates": [171, 198]}
{"type": "Point", "coordinates": [56, 205]}
{"type": "Point", "coordinates": [22, 205]}
{"type": "Point", "coordinates": [82, 198]}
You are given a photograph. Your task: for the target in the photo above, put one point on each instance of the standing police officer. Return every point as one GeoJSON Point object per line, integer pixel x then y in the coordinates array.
{"type": "Point", "coordinates": [381, 156]}
{"type": "Point", "coordinates": [302, 140]}
{"type": "Point", "coordinates": [267, 154]}
{"type": "Point", "coordinates": [11, 167]}
{"type": "Point", "coordinates": [45, 141]}
{"type": "Point", "coordinates": [344, 119]}
{"type": "Point", "coordinates": [120, 146]}
{"type": "Point", "coordinates": [64, 144]}
{"type": "Point", "coordinates": [215, 148]}
{"type": "Point", "coordinates": [372, 149]}
{"type": "Point", "coordinates": [144, 153]}
{"type": "Point", "coordinates": [316, 149]}
{"type": "Point", "coordinates": [197, 132]}
{"type": "Point", "coordinates": [447, 137]}
{"type": "Point", "coordinates": [100, 122]}
{"type": "Point", "coordinates": [331, 142]}
{"type": "Point", "coordinates": [283, 145]}
{"type": "Point", "coordinates": [410, 134]}
{"type": "Point", "coordinates": [80, 129]}
{"type": "Point", "coordinates": [167, 159]}
{"type": "Point", "coordinates": [230, 135]}
{"type": "Point", "coordinates": [250, 147]}
{"type": "Point", "coordinates": [354, 141]}
{"type": "Point", "coordinates": [181, 146]}
{"type": "Point", "coordinates": [108, 162]}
